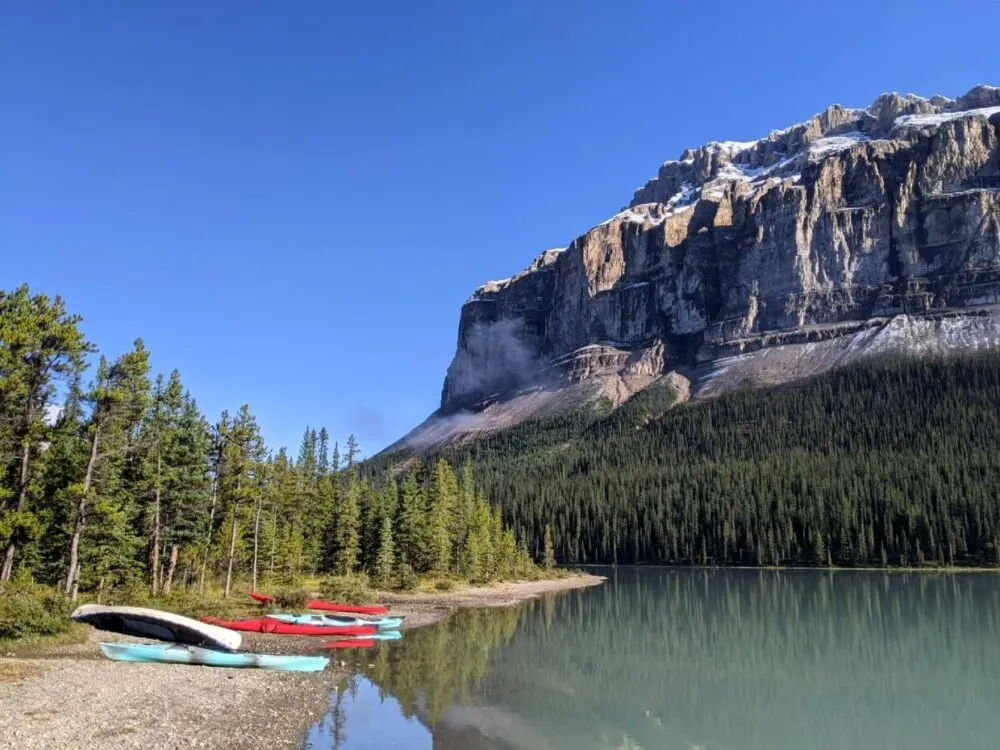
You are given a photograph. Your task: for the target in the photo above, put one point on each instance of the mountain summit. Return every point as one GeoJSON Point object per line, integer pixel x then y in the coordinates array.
{"type": "Point", "coordinates": [858, 231]}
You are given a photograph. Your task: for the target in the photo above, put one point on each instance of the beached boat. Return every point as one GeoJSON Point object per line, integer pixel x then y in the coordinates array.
{"type": "Point", "coordinates": [387, 635]}
{"type": "Point", "coordinates": [154, 623]}
{"type": "Point", "coordinates": [356, 609]}
{"type": "Point", "coordinates": [351, 643]}
{"type": "Point", "coordinates": [164, 653]}
{"type": "Point", "coordinates": [269, 625]}
{"type": "Point", "coordinates": [382, 623]}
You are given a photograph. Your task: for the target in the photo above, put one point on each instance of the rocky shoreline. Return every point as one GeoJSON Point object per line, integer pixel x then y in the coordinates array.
{"type": "Point", "coordinates": [72, 697]}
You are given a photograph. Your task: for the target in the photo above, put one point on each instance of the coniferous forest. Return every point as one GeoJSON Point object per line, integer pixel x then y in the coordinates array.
{"type": "Point", "coordinates": [127, 483]}
{"type": "Point", "coordinates": [112, 478]}
{"type": "Point", "coordinates": [884, 463]}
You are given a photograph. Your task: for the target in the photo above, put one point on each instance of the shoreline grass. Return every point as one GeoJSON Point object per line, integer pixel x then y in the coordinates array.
{"type": "Point", "coordinates": [76, 633]}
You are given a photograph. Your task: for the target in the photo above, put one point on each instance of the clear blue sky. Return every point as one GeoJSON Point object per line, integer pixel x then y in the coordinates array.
{"type": "Point", "coordinates": [290, 201]}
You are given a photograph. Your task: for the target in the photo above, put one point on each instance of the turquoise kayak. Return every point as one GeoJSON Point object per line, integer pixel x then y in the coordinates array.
{"type": "Point", "coordinates": [382, 623]}
{"type": "Point", "coordinates": [166, 653]}
{"type": "Point", "coordinates": [387, 635]}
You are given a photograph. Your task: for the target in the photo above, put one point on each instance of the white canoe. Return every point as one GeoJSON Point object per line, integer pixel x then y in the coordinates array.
{"type": "Point", "coordinates": [153, 623]}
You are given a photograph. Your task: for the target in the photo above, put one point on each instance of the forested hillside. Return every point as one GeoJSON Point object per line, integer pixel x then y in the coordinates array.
{"type": "Point", "coordinates": [112, 478]}
{"type": "Point", "coordinates": [890, 462]}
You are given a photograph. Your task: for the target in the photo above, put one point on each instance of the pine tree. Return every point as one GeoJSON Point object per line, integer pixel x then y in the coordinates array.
{"type": "Point", "coordinates": [385, 559]}
{"type": "Point", "coordinates": [548, 554]}
{"type": "Point", "coordinates": [242, 450]}
{"type": "Point", "coordinates": [323, 452]}
{"type": "Point", "coordinates": [188, 491]}
{"type": "Point", "coordinates": [40, 345]}
{"type": "Point", "coordinates": [476, 559]}
{"type": "Point", "coordinates": [411, 524]}
{"type": "Point", "coordinates": [348, 527]}
{"type": "Point", "coordinates": [352, 452]}
{"type": "Point", "coordinates": [118, 402]}
{"type": "Point", "coordinates": [307, 454]}
{"type": "Point", "coordinates": [440, 514]}
{"type": "Point", "coordinates": [156, 446]}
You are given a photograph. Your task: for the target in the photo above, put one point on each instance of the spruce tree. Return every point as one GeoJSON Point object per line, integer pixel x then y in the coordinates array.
{"type": "Point", "coordinates": [118, 402]}
{"type": "Point", "coordinates": [323, 452]}
{"type": "Point", "coordinates": [441, 503]}
{"type": "Point", "coordinates": [40, 345]}
{"type": "Point", "coordinates": [352, 452]}
{"type": "Point", "coordinates": [548, 553]}
{"type": "Point", "coordinates": [242, 451]}
{"type": "Point", "coordinates": [385, 558]}
{"type": "Point", "coordinates": [411, 522]}
{"type": "Point", "coordinates": [348, 527]}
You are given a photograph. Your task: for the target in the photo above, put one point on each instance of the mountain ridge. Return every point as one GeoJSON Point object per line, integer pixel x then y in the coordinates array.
{"type": "Point", "coordinates": [857, 231]}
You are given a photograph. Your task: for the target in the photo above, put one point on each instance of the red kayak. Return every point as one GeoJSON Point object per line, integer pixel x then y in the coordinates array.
{"type": "Point", "coordinates": [358, 609]}
{"type": "Point", "coordinates": [351, 643]}
{"type": "Point", "coordinates": [268, 625]}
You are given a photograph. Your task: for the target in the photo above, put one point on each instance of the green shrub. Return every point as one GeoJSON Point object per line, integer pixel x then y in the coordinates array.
{"type": "Point", "coordinates": [291, 598]}
{"type": "Point", "coordinates": [444, 585]}
{"type": "Point", "coordinates": [131, 594]}
{"type": "Point", "coordinates": [407, 579]}
{"type": "Point", "coordinates": [31, 612]}
{"type": "Point", "coordinates": [352, 589]}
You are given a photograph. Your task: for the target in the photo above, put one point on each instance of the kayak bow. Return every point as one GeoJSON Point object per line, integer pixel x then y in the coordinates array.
{"type": "Point", "coordinates": [277, 627]}
{"type": "Point", "coordinates": [382, 623]}
{"type": "Point", "coordinates": [164, 653]}
{"type": "Point", "coordinates": [357, 609]}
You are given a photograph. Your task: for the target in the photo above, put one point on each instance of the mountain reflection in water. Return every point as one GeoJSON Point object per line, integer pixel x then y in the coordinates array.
{"type": "Point", "coordinates": [695, 660]}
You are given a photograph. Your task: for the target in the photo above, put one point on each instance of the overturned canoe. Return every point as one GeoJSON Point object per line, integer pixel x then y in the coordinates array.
{"type": "Point", "coordinates": [153, 623]}
{"type": "Point", "coordinates": [351, 643]}
{"type": "Point", "coordinates": [382, 623]}
{"type": "Point", "coordinates": [277, 627]}
{"type": "Point", "coordinates": [164, 653]}
{"type": "Point", "coordinates": [357, 609]}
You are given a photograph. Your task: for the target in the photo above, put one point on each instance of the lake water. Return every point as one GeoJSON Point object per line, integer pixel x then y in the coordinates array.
{"type": "Point", "coordinates": [694, 660]}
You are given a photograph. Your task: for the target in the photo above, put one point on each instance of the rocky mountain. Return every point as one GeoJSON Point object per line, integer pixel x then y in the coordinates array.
{"type": "Point", "coordinates": [859, 231]}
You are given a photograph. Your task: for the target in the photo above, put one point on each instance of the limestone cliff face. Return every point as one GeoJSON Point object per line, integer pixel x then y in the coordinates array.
{"type": "Point", "coordinates": [856, 215]}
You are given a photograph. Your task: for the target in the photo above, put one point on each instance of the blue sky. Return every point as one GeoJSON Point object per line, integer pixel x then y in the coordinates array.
{"type": "Point", "coordinates": [290, 201]}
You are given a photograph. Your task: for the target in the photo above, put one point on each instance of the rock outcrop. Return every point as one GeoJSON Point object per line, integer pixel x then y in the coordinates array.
{"type": "Point", "coordinates": [826, 230]}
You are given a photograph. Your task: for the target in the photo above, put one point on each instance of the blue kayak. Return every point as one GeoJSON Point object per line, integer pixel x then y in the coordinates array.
{"type": "Point", "coordinates": [386, 635]}
{"type": "Point", "coordinates": [176, 653]}
{"type": "Point", "coordinates": [382, 623]}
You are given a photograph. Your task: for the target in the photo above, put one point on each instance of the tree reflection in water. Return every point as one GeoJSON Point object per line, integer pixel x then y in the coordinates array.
{"type": "Point", "coordinates": [709, 659]}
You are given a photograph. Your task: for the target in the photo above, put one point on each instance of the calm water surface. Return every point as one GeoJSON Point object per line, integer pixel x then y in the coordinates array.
{"type": "Point", "coordinates": [694, 660]}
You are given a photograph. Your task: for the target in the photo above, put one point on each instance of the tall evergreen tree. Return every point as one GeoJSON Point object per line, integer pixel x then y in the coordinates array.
{"type": "Point", "coordinates": [242, 452]}
{"type": "Point", "coordinates": [352, 452]}
{"type": "Point", "coordinates": [411, 524]}
{"type": "Point", "coordinates": [118, 401]}
{"type": "Point", "coordinates": [348, 531]}
{"type": "Point", "coordinates": [40, 345]}
{"type": "Point", "coordinates": [385, 558]}
{"type": "Point", "coordinates": [323, 452]}
{"type": "Point", "coordinates": [443, 499]}
{"type": "Point", "coordinates": [548, 550]}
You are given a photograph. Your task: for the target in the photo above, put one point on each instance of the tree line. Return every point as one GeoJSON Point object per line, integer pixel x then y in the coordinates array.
{"type": "Point", "coordinates": [889, 462]}
{"type": "Point", "coordinates": [129, 484]}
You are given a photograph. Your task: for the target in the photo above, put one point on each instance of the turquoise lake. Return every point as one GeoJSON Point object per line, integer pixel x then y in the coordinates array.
{"type": "Point", "coordinates": [663, 658]}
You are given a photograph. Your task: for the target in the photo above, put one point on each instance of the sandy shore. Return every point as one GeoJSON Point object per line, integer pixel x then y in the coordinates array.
{"type": "Point", "coordinates": [426, 608]}
{"type": "Point", "coordinates": [72, 697]}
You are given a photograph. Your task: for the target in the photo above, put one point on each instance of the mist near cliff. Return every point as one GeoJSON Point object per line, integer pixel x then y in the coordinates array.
{"type": "Point", "coordinates": [494, 357]}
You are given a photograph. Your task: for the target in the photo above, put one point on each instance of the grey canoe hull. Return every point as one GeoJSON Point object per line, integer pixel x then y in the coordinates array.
{"type": "Point", "coordinates": [153, 623]}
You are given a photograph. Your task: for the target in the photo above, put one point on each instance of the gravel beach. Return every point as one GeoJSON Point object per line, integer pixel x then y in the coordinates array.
{"type": "Point", "coordinates": [72, 697]}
